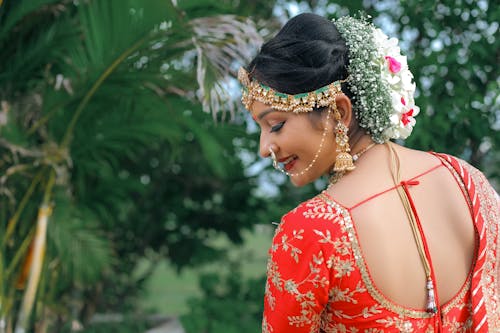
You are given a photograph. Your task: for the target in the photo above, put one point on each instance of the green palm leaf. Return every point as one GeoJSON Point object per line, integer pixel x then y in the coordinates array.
{"type": "Point", "coordinates": [17, 11]}
{"type": "Point", "coordinates": [222, 44]}
{"type": "Point", "coordinates": [96, 87]}
{"type": "Point", "coordinates": [82, 251]}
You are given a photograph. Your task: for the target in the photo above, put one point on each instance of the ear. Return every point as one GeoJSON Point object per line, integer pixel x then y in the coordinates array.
{"type": "Point", "coordinates": [345, 109]}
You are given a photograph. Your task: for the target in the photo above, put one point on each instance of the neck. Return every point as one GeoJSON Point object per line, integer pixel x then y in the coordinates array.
{"type": "Point", "coordinates": [359, 141]}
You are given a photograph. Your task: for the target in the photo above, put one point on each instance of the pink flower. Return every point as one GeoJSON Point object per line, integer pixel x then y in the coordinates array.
{"type": "Point", "coordinates": [403, 101]}
{"type": "Point", "coordinates": [394, 65]}
{"type": "Point", "coordinates": [405, 118]}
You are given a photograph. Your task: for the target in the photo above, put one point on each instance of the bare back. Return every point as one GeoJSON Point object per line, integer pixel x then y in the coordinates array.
{"type": "Point", "coordinates": [384, 231]}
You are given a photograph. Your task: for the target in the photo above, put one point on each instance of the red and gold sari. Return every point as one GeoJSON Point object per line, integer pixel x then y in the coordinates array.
{"type": "Point", "coordinates": [318, 280]}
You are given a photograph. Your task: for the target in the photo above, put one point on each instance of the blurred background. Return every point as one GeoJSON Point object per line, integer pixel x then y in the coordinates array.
{"type": "Point", "coordinates": [132, 198]}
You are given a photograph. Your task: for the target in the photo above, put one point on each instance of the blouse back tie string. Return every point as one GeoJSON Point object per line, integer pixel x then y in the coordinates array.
{"type": "Point", "coordinates": [402, 188]}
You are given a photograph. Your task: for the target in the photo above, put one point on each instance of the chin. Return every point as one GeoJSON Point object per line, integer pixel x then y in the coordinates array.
{"type": "Point", "coordinates": [299, 181]}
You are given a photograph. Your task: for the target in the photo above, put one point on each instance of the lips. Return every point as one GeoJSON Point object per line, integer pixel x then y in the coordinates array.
{"type": "Point", "coordinates": [289, 165]}
{"type": "Point", "coordinates": [285, 160]}
{"type": "Point", "coordinates": [288, 162]}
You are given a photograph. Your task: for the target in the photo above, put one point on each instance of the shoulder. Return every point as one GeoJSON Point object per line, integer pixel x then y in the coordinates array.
{"type": "Point", "coordinates": [471, 176]}
{"type": "Point", "coordinates": [313, 213]}
{"type": "Point", "coordinates": [310, 220]}
{"type": "Point", "coordinates": [306, 233]}
{"type": "Point", "coordinates": [465, 170]}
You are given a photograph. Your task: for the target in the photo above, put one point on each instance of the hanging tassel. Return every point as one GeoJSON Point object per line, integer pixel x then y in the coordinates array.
{"type": "Point", "coordinates": [343, 162]}
{"type": "Point", "coordinates": [431, 299]}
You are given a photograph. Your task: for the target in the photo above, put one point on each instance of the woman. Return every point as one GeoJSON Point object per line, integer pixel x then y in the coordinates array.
{"type": "Point", "coordinates": [401, 240]}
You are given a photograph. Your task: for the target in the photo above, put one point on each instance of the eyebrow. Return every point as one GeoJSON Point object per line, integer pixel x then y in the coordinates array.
{"type": "Point", "coordinates": [265, 112]}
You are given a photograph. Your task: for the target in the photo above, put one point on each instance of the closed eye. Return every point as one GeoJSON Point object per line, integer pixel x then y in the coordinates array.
{"type": "Point", "coordinates": [277, 127]}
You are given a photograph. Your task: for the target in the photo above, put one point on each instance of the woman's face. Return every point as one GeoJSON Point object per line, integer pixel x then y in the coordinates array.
{"type": "Point", "coordinates": [295, 141]}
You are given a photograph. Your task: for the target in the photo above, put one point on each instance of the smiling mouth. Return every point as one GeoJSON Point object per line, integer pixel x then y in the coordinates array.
{"type": "Point", "coordinates": [289, 162]}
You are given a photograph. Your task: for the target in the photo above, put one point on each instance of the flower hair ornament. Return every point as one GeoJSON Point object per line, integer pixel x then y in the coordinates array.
{"type": "Point", "coordinates": [380, 80]}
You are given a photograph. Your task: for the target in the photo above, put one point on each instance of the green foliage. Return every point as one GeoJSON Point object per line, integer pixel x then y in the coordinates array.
{"type": "Point", "coordinates": [78, 234]}
{"type": "Point", "coordinates": [208, 200]}
{"type": "Point", "coordinates": [229, 304]}
{"type": "Point", "coordinates": [102, 132]}
{"type": "Point", "coordinates": [128, 325]}
{"type": "Point", "coordinates": [101, 119]}
{"type": "Point", "coordinates": [455, 53]}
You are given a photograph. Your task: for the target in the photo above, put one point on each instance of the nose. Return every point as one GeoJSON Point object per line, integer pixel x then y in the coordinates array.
{"type": "Point", "coordinates": [264, 145]}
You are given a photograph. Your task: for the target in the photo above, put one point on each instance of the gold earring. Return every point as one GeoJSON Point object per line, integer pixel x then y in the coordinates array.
{"type": "Point", "coordinates": [343, 161]}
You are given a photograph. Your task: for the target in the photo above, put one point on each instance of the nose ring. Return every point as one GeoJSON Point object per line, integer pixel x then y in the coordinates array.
{"type": "Point", "coordinates": [273, 157]}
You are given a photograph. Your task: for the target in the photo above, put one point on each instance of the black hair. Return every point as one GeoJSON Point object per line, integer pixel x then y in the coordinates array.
{"type": "Point", "coordinates": [306, 54]}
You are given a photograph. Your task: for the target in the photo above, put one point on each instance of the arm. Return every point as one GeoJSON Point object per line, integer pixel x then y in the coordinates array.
{"type": "Point", "coordinates": [297, 279]}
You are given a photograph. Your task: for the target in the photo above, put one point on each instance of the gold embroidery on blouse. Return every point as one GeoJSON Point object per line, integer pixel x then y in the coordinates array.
{"type": "Point", "coordinates": [340, 266]}
{"type": "Point", "coordinates": [307, 299]}
{"type": "Point", "coordinates": [365, 313]}
{"type": "Point", "coordinates": [339, 327]}
{"type": "Point", "coordinates": [269, 296]}
{"type": "Point", "coordinates": [454, 326]}
{"type": "Point", "coordinates": [318, 209]}
{"type": "Point", "coordinates": [329, 325]}
{"type": "Point", "coordinates": [458, 300]}
{"type": "Point", "coordinates": [374, 292]}
{"type": "Point", "coordinates": [345, 295]}
{"type": "Point", "coordinates": [266, 328]}
{"type": "Point", "coordinates": [399, 323]}
{"type": "Point", "coordinates": [286, 244]}
{"type": "Point", "coordinates": [341, 245]}
{"type": "Point", "coordinates": [274, 274]}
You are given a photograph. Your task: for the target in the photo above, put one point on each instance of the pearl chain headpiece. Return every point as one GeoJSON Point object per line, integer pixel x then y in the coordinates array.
{"type": "Point", "coordinates": [303, 102]}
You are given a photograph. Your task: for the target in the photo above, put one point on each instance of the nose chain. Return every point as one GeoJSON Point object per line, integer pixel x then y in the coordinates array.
{"type": "Point", "coordinates": [279, 168]}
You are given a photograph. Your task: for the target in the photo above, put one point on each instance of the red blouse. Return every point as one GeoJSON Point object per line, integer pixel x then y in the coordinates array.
{"type": "Point", "coordinates": [318, 280]}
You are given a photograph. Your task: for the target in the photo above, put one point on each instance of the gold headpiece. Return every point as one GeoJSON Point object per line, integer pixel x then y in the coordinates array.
{"type": "Point", "coordinates": [304, 102]}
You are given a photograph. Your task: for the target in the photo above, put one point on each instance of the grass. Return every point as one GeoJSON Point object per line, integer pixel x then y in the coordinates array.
{"type": "Point", "coordinates": [167, 292]}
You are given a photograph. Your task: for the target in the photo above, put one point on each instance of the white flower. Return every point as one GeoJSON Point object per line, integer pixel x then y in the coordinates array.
{"type": "Point", "coordinates": [380, 79]}
{"type": "Point", "coordinates": [399, 83]}
{"type": "Point", "coordinates": [394, 119]}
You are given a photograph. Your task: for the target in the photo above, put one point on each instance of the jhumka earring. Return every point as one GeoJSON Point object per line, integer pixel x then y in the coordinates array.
{"type": "Point", "coordinates": [343, 161]}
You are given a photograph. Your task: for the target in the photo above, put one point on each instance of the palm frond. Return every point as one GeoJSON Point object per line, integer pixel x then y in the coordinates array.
{"type": "Point", "coordinates": [20, 9]}
{"type": "Point", "coordinates": [222, 43]}
{"type": "Point", "coordinates": [111, 27]}
{"type": "Point", "coordinates": [107, 83]}
{"type": "Point", "coordinates": [82, 251]}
